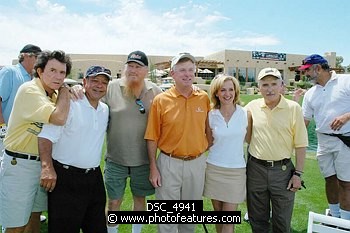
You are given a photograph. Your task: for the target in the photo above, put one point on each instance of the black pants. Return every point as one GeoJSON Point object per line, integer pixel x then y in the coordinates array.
{"type": "Point", "coordinates": [77, 202]}
{"type": "Point", "coordinates": [268, 186]}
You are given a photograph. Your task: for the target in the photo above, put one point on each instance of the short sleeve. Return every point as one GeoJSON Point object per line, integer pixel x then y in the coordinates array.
{"type": "Point", "coordinates": [51, 132]}
{"type": "Point", "coordinates": [5, 83]}
{"type": "Point", "coordinates": [300, 131]}
{"type": "Point", "coordinates": [36, 106]}
{"type": "Point", "coordinates": [307, 110]}
{"type": "Point", "coordinates": [153, 123]}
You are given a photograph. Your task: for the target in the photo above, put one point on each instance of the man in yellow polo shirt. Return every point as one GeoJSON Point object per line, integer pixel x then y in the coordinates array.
{"type": "Point", "coordinates": [177, 125]}
{"type": "Point", "coordinates": [21, 197]}
{"type": "Point", "coordinates": [278, 130]}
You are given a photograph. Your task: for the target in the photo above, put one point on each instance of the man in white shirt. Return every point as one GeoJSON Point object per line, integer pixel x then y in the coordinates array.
{"type": "Point", "coordinates": [328, 102]}
{"type": "Point", "coordinates": [72, 174]}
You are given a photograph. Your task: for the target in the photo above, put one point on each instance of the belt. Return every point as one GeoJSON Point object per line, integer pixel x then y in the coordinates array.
{"type": "Point", "coordinates": [75, 169]}
{"type": "Point", "coordinates": [270, 163]}
{"type": "Point", "coordinates": [185, 158]}
{"type": "Point", "coordinates": [22, 156]}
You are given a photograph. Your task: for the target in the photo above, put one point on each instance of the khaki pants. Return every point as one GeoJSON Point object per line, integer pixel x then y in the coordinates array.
{"type": "Point", "coordinates": [181, 180]}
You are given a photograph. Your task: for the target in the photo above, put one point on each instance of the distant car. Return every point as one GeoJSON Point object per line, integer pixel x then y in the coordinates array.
{"type": "Point", "coordinates": [166, 86]}
{"type": "Point", "coordinates": [167, 83]}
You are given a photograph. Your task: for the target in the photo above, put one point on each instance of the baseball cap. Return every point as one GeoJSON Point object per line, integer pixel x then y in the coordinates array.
{"type": "Point", "coordinates": [312, 59]}
{"type": "Point", "coordinates": [30, 48]}
{"type": "Point", "coordinates": [177, 58]}
{"type": "Point", "coordinates": [269, 71]}
{"type": "Point", "coordinates": [97, 70]}
{"type": "Point", "coordinates": [138, 57]}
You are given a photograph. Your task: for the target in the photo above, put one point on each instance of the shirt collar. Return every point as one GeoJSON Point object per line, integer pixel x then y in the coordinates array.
{"type": "Point", "coordinates": [146, 87]}
{"type": "Point", "coordinates": [37, 81]}
{"type": "Point", "coordinates": [216, 111]}
{"type": "Point", "coordinates": [281, 104]}
{"type": "Point", "coordinates": [333, 78]}
{"type": "Point", "coordinates": [86, 102]}
{"type": "Point", "coordinates": [176, 93]}
{"type": "Point", "coordinates": [24, 71]}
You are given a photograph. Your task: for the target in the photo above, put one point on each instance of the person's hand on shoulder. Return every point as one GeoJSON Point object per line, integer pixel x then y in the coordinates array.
{"type": "Point", "coordinates": [77, 92]}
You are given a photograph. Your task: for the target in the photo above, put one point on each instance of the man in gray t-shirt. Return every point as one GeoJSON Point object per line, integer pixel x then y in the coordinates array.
{"type": "Point", "coordinates": [129, 99]}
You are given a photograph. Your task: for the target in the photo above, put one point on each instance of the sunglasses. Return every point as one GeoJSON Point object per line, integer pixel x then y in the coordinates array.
{"type": "Point", "coordinates": [141, 106]}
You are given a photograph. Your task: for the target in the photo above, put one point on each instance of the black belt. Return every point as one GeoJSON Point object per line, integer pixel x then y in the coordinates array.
{"type": "Point", "coordinates": [22, 156]}
{"type": "Point", "coordinates": [270, 163]}
{"type": "Point", "coordinates": [75, 169]}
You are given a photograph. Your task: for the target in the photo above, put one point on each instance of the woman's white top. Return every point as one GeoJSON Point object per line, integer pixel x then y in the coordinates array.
{"type": "Point", "coordinates": [227, 149]}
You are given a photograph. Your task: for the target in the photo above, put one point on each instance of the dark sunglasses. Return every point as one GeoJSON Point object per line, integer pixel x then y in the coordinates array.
{"type": "Point", "coordinates": [141, 106]}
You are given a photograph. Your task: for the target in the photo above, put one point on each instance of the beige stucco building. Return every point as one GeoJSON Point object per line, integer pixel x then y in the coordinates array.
{"type": "Point", "coordinates": [116, 63]}
{"type": "Point", "coordinates": [244, 65]}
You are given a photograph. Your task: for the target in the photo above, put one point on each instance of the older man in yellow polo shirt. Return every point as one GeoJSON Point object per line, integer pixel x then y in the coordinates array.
{"type": "Point", "coordinates": [278, 129]}
{"type": "Point", "coordinates": [176, 125]}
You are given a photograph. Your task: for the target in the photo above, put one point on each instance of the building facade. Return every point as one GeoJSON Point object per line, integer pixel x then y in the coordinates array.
{"type": "Point", "coordinates": [244, 65]}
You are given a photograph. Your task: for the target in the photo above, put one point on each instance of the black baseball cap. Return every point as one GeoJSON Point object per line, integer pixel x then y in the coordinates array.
{"type": "Point", "coordinates": [30, 48]}
{"type": "Point", "coordinates": [138, 57]}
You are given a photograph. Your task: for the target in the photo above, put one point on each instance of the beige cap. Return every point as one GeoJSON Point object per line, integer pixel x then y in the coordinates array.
{"type": "Point", "coordinates": [177, 58]}
{"type": "Point", "coordinates": [269, 71]}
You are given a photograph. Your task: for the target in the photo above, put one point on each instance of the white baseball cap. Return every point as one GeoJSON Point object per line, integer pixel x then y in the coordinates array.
{"type": "Point", "coordinates": [269, 71]}
{"type": "Point", "coordinates": [177, 58]}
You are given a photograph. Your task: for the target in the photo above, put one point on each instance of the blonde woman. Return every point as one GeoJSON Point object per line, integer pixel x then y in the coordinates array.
{"type": "Point", "coordinates": [225, 179]}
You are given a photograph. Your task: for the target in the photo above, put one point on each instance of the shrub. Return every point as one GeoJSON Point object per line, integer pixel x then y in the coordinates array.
{"type": "Point", "coordinates": [304, 84]}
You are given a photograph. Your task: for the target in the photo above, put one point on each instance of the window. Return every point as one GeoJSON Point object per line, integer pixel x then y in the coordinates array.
{"type": "Point", "coordinates": [251, 74]}
{"type": "Point", "coordinates": [242, 74]}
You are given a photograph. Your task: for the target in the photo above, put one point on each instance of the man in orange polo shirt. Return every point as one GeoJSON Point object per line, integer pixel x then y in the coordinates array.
{"type": "Point", "coordinates": [177, 126]}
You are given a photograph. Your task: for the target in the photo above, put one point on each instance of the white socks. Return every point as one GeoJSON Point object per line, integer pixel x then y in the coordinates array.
{"type": "Point", "coordinates": [334, 210]}
{"type": "Point", "coordinates": [136, 228]}
{"type": "Point", "coordinates": [345, 214]}
{"type": "Point", "coordinates": [112, 229]}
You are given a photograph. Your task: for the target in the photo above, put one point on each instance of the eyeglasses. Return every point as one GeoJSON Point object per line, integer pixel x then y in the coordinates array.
{"type": "Point", "coordinates": [141, 106]}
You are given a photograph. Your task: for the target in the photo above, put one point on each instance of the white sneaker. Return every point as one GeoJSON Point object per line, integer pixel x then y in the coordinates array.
{"type": "Point", "coordinates": [246, 217]}
{"type": "Point", "coordinates": [328, 212]}
{"type": "Point", "coordinates": [42, 218]}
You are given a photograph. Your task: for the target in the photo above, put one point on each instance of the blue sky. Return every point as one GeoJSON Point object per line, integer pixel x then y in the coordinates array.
{"type": "Point", "coordinates": [167, 27]}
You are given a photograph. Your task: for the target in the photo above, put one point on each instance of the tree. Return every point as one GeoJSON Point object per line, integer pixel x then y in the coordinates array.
{"type": "Point", "coordinates": [152, 75]}
{"type": "Point", "coordinates": [338, 62]}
